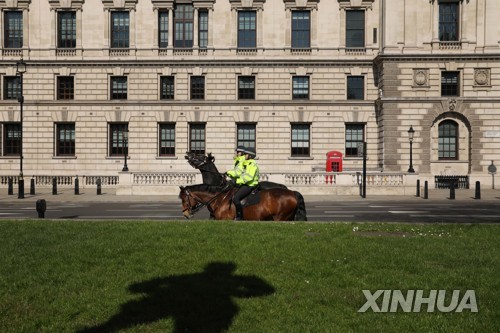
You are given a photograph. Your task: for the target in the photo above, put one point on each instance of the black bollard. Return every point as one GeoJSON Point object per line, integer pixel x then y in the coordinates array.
{"type": "Point", "coordinates": [77, 186]}
{"type": "Point", "coordinates": [98, 182]}
{"type": "Point", "coordinates": [20, 183]}
{"type": "Point", "coordinates": [452, 190]}
{"type": "Point", "coordinates": [426, 190]}
{"type": "Point", "coordinates": [418, 187]}
{"type": "Point", "coordinates": [32, 186]}
{"type": "Point", "coordinates": [41, 207]}
{"type": "Point", "coordinates": [10, 190]}
{"type": "Point", "coordinates": [54, 186]}
{"type": "Point", "coordinates": [478, 191]}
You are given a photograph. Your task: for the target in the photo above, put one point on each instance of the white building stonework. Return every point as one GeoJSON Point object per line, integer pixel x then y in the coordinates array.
{"type": "Point", "coordinates": [296, 79]}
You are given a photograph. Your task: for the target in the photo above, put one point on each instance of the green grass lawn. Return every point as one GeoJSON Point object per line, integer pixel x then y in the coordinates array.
{"type": "Point", "coordinates": [143, 276]}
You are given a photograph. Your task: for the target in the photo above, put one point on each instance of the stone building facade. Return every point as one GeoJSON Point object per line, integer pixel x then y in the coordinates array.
{"type": "Point", "coordinates": [296, 79]}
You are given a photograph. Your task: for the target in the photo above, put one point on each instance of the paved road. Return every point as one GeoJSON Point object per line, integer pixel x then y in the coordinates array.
{"type": "Point", "coordinates": [349, 209]}
{"type": "Point", "coordinates": [405, 211]}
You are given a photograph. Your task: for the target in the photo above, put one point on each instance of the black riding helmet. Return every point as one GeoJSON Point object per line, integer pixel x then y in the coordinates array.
{"type": "Point", "coordinates": [240, 149]}
{"type": "Point", "coordinates": [250, 151]}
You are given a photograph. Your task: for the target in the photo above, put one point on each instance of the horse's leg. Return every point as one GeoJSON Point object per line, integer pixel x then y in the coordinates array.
{"type": "Point", "coordinates": [223, 209]}
{"type": "Point", "coordinates": [222, 213]}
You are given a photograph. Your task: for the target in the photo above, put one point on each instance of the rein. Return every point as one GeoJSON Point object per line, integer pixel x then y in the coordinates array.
{"type": "Point", "coordinates": [207, 170]}
{"type": "Point", "coordinates": [199, 203]}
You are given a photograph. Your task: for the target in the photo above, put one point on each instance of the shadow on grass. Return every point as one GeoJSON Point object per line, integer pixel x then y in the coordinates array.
{"type": "Point", "coordinates": [198, 302]}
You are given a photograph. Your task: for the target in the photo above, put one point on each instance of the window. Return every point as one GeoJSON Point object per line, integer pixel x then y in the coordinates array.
{"type": "Point", "coordinates": [167, 90]}
{"type": "Point", "coordinates": [246, 87]}
{"type": "Point", "coordinates": [448, 140]}
{"type": "Point", "coordinates": [301, 140]}
{"type": "Point", "coordinates": [247, 36]}
{"type": "Point", "coordinates": [118, 87]}
{"type": "Point", "coordinates": [448, 21]}
{"type": "Point", "coordinates": [355, 28]}
{"type": "Point", "coordinates": [300, 87]}
{"type": "Point", "coordinates": [183, 26]}
{"type": "Point", "coordinates": [245, 135]}
{"type": "Point", "coordinates": [197, 138]}
{"type": "Point", "coordinates": [120, 29]}
{"type": "Point", "coordinates": [65, 139]}
{"type": "Point", "coordinates": [167, 140]}
{"type": "Point", "coordinates": [163, 29]}
{"type": "Point", "coordinates": [65, 87]}
{"type": "Point", "coordinates": [11, 87]}
{"type": "Point", "coordinates": [355, 87]}
{"type": "Point", "coordinates": [301, 29]}
{"type": "Point", "coordinates": [12, 139]}
{"type": "Point", "coordinates": [118, 143]}
{"type": "Point", "coordinates": [203, 28]}
{"type": "Point", "coordinates": [354, 136]}
{"type": "Point", "coordinates": [13, 29]}
{"type": "Point", "coordinates": [66, 29]}
{"type": "Point", "coordinates": [197, 87]}
{"type": "Point", "coordinates": [450, 84]}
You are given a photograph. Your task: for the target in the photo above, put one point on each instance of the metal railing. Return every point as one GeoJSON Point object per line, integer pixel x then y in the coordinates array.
{"type": "Point", "coordinates": [445, 182]}
{"type": "Point", "coordinates": [64, 181]}
{"type": "Point", "coordinates": [164, 178]}
{"type": "Point", "coordinates": [327, 179]}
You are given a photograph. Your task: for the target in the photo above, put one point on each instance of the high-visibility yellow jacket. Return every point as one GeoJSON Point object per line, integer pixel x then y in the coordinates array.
{"type": "Point", "coordinates": [237, 171]}
{"type": "Point", "coordinates": [250, 175]}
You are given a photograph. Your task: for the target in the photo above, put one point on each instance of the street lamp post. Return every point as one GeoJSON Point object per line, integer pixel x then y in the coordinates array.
{"type": "Point", "coordinates": [20, 70]}
{"type": "Point", "coordinates": [125, 149]}
{"type": "Point", "coordinates": [411, 133]}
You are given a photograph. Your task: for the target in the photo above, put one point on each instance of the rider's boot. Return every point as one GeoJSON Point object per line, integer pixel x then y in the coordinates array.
{"type": "Point", "coordinates": [239, 213]}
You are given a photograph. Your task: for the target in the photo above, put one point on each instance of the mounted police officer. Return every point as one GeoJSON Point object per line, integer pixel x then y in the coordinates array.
{"type": "Point", "coordinates": [239, 158]}
{"type": "Point", "coordinates": [247, 180]}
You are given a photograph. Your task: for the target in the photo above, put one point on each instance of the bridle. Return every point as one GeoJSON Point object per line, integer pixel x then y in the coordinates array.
{"type": "Point", "coordinates": [199, 203]}
{"type": "Point", "coordinates": [200, 164]}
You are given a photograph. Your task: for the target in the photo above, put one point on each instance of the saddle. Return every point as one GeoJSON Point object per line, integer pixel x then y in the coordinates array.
{"type": "Point", "coordinates": [252, 199]}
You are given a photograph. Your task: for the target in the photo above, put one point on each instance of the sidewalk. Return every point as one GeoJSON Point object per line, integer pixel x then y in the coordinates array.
{"type": "Point", "coordinates": [109, 195]}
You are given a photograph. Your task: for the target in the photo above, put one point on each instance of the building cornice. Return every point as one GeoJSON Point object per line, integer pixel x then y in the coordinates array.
{"type": "Point", "coordinates": [433, 1]}
{"type": "Point", "coordinates": [163, 4]}
{"type": "Point", "coordinates": [303, 105]}
{"type": "Point", "coordinates": [348, 4]}
{"type": "Point", "coordinates": [129, 4]}
{"type": "Point", "coordinates": [439, 100]}
{"type": "Point", "coordinates": [300, 105]}
{"type": "Point", "coordinates": [63, 4]}
{"type": "Point", "coordinates": [196, 63]}
{"type": "Point", "coordinates": [301, 4]}
{"type": "Point", "coordinates": [247, 4]}
{"type": "Point", "coordinates": [435, 57]}
{"type": "Point", "coordinates": [169, 4]}
{"type": "Point", "coordinates": [18, 4]}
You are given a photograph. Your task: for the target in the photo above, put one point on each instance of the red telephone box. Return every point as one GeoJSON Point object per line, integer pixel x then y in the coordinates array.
{"type": "Point", "coordinates": [334, 161]}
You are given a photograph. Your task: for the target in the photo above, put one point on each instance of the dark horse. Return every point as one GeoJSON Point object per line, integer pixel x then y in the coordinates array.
{"type": "Point", "coordinates": [277, 204]}
{"type": "Point", "coordinates": [211, 176]}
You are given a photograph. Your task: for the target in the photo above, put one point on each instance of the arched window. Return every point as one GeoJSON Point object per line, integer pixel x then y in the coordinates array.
{"type": "Point", "coordinates": [448, 140]}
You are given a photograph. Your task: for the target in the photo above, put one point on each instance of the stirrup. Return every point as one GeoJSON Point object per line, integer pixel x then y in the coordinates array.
{"type": "Point", "coordinates": [238, 217]}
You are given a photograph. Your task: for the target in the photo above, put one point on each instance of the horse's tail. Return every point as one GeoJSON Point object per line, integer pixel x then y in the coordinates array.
{"type": "Point", "coordinates": [300, 212]}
